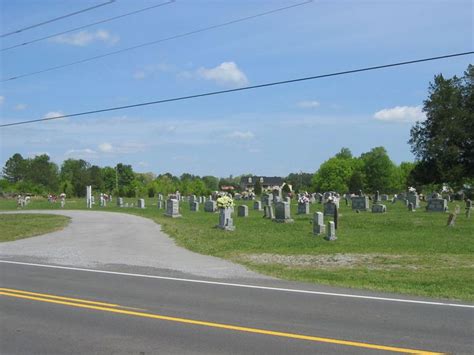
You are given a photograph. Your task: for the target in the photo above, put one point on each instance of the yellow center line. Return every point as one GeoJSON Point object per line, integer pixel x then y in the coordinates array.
{"type": "Point", "coordinates": [226, 326]}
{"type": "Point", "coordinates": [59, 297]}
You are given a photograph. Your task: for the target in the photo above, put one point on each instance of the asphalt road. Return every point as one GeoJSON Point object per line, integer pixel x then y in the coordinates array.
{"type": "Point", "coordinates": [134, 318]}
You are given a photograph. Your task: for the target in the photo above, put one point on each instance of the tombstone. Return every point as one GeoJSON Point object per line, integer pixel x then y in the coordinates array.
{"type": "Point", "coordinates": [318, 224]}
{"type": "Point", "coordinates": [329, 208]}
{"type": "Point", "coordinates": [268, 212]}
{"type": "Point", "coordinates": [210, 206]}
{"type": "Point", "coordinates": [237, 196]}
{"type": "Point", "coordinates": [194, 207]}
{"type": "Point", "coordinates": [160, 204]}
{"type": "Point", "coordinates": [303, 208]}
{"type": "Point", "coordinates": [126, 204]}
{"type": "Point", "coordinates": [276, 199]}
{"type": "Point", "coordinates": [377, 196]}
{"type": "Point", "coordinates": [63, 202]}
{"type": "Point", "coordinates": [225, 219]}
{"type": "Point", "coordinates": [468, 208]}
{"type": "Point", "coordinates": [360, 203]}
{"type": "Point", "coordinates": [412, 197]}
{"type": "Point", "coordinates": [379, 208]}
{"type": "Point", "coordinates": [243, 211]}
{"type": "Point", "coordinates": [331, 232]}
{"type": "Point", "coordinates": [192, 198]}
{"type": "Point", "coordinates": [411, 207]}
{"type": "Point", "coordinates": [267, 199]}
{"type": "Point", "coordinates": [282, 213]}
{"type": "Point", "coordinates": [451, 219]}
{"type": "Point", "coordinates": [384, 197]}
{"type": "Point", "coordinates": [437, 205]}
{"type": "Point", "coordinates": [160, 197]}
{"type": "Point", "coordinates": [172, 208]}
{"type": "Point", "coordinates": [120, 202]}
{"type": "Point", "coordinates": [288, 200]}
{"type": "Point", "coordinates": [89, 196]}
{"type": "Point", "coordinates": [141, 203]}
{"type": "Point", "coordinates": [257, 205]}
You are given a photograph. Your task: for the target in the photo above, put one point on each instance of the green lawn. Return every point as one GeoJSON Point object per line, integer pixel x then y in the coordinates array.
{"type": "Point", "coordinates": [400, 251]}
{"type": "Point", "coordinates": [18, 226]}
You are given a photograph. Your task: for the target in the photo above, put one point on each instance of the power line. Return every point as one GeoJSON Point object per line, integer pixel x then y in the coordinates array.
{"type": "Point", "coordinates": [88, 25]}
{"type": "Point", "coordinates": [212, 93]}
{"type": "Point", "coordinates": [157, 41]}
{"type": "Point", "coordinates": [56, 19]}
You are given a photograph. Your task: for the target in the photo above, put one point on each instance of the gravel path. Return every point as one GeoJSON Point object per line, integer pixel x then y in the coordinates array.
{"type": "Point", "coordinates": [95, 239]}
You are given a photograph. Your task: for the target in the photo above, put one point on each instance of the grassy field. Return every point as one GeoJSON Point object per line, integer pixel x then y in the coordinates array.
{"type": "Point", "coordinates": [400, 251]}
{"type": "Point", "coordinates": [18, 226]}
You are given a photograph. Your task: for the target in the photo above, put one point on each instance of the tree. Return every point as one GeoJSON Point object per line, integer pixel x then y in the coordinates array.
{"type": "Point", "coordinates": [300, 181]}
{"type": "Point", "coordinates": [43, 172]}
{"type": "Point", "coordinates": [125, 177]}
{"type": "Point", "coordinates": [212, 183]}
{"type": "Point", "coordinates": [257, 187]}
{"type": "Point", "coordinates": [15, 168]}
{"type": "Point", "coordinates": [333, 175]}
{"type": "Point", "coordinates": [444, 142]}
{"type": "Point", "coordinates": [345, 153]}
{"type": "Point", "coordinates": [379, 170]}
{"type": "Point", "coordinates": [76, 172]}
{"type": "Point", "coordinates": [109, 178]}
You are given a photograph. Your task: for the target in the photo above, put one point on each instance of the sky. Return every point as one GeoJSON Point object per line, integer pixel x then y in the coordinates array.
{"type": "Point", "coordinates": [269, 131]}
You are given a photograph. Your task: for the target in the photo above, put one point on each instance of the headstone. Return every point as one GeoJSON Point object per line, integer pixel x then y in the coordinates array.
{"type": "Point", "coordinates": [360, 203]}
{"type": "Point", "coordinates": [411, 207]}
{"type": "Point", "coordinates": [225, 219]}
{"type": "Point", "coordinates": [412, 197]}
{"type": "Point", "coordinates": [384, 197]}
{"type": "Point", "coordinates": [237, 196]}
{"type": "Point", "coordinates": [160, 197]}
{"type": "Point", "coordinates": [210, 206]}
{"type": "Point", "coordinates": [437, 205]}
{"type": "Point", "coordinates": [120, 202]}
{"type": "Point", "coordinates": [451, 219]}
{"type": "Point", "coordinates": [141, 203]}
{"type": "Point", "coordinates": [331, 232]}
{"type": "Point", "coordinates": [243, 211]}
{"type": "Point", "coordinates": [172, 208]}
{"type": "Point", "coordinates": [379, 208]}
{"type": "Point", "coordinates": [468, 208]}
{"type": "Point", "coordinates": [282, 213]}
{"type": "Point", "coordinates": [194, 207]}
{"type": "Point", "coordinates": [329, 208]}
{"type": "Point", "coordinates": [377, 196]}
{"type": "Point", "coordinates": [268, 212]}
{"type": "Point", "coordinates": [160, 204]}
{"type": "Point", "coordinates": [257, 205]}
{"type": "Point", "coordinates": [89, 196]}
{"type": "Point", "coordinates": [276, 199]}
{"type": "Point", "coordinates": [288, 200]}
{"type": "Point", "coordinates": [303, 208]}
{"type": "Point", "coordinates": [336, 217]}
{"type": "Point", "coordinates": [267, 199]}
{"type": "Point", "coordinates": [318, 224]}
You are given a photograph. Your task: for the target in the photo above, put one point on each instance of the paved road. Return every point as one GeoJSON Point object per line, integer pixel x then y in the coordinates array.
{"type": "Point", "coordinates": [39, 324]}
{"type": "Point", "coordinates": [170, 309]}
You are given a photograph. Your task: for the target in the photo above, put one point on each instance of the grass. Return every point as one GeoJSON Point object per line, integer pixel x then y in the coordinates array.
{"type": "Point", "coordinates": [19, 226]}
{"type": "Point", "coordinates": [400, 251]}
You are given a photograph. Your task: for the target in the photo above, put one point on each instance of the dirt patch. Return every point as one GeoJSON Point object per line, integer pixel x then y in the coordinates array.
{"type": "Point", "coordinates": [351, 261]}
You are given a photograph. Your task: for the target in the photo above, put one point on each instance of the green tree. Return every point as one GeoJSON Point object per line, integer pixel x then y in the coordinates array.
{"type": "Point", "coordinates": [379, 170]}
{"type": "Point", "coordinates": [109, 178]}
{"type": "Point", "coordinates": [257, 187]}
{"type": "Point", "coordinates": [76, 172]}
{"type": "Point", "coordinates": [42, 171]}
{"type": "Point", "coordinates": [212, 183]}
{"type": "Point", "coordinates": [15, 168]}
{"type": "Point", "coordinates": [345, 153]}
{"type": "Point", "coordinates": [125, 177]}
{"type": "Point", "coordinates": [300, 181]}
{"type": "Point", "coordinates": [333, 175]}
{"type": "Point", "coordinates": [444, 142]}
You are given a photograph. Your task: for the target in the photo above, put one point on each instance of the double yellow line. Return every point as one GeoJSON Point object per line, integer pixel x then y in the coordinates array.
{"type": "Point", "coordinates": [115, 308]}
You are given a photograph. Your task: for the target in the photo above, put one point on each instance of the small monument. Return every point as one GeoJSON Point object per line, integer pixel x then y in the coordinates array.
{"type": "Point", "coordinates": [120, 202]}
{"type": "Point", "coordinates": [379, 208]}
{"type": "Point", "coordinates": [242, 211]}
{"type": "Point", "coordinates": [331, 232]}
{"type": "Point", "coordinates": [257, 205]}
{"type": "Point", "coordinates": [360, 203]}
{"type": "Point", "coordinates": [210, 206]}
{"type": "Point", "coordinates": [225, 219]}
{"type": "Point", "coordinates": [141, 203]}
{"type": "Point", "coordinates": [282, 213]}
{"type": "Point", "coordinates": [194, 207]}
{"type": "Point", "coordinates": [172, 208]}
{"type": "Point", "coordinates": [318, 224]}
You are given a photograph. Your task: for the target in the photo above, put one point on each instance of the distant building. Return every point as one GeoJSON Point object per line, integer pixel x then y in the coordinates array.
{"type": "Point", "coordinates": [248, 182]}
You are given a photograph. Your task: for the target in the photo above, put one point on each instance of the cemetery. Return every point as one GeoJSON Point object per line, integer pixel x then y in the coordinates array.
{"type": "Point", "coordinates": [375, 246]}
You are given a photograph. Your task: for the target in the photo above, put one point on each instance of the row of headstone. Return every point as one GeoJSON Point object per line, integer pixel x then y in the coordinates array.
{"type": "Point", "coordinates": [319, 228]}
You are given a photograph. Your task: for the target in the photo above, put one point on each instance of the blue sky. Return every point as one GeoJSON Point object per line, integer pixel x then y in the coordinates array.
{"type": "Point", "coordinates": [272, 131]}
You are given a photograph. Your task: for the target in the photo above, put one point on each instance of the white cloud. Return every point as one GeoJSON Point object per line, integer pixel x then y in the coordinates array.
{"type": "Point", "coordinates": [2, 99]}
{"type": "Point", "coordinates": [225, 74]}
{"type": "Point", "coordinates": [20, 107]}
{"type": "Point", "coordinates": [54, 114]}
{"type": "Point", "coordinates": [241, 135]}
{"type": "Point", "coordinates": [84, 38]}
{"type": "Point", "coordinates": [308, 104]}
{"type": "Point", "coordinates": [152, 69]}
{"type": "Point", "coordinates": [85, 153]}
{"type": "Point", "coordinates": [106, 147]}
{"type": "Point", "coordinates": [139, 74]}
{"type": "Point", "coordinates": [401, 114]}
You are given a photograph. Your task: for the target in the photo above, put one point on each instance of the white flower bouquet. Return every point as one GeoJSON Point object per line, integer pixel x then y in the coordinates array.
{"type": "Point", "coordinates": [225, 202]}
{"type": "Point", "coordinates": [303, 199]}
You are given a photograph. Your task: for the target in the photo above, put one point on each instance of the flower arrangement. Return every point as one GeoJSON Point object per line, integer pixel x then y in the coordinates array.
{"type": "Point", "coordinates": [225, 202]}
{"type": "Point", "coordinates": [303, 199]}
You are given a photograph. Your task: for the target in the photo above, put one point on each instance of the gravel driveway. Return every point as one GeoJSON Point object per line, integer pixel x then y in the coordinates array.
{"type": "Point", "coordinates": [100, 239]}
